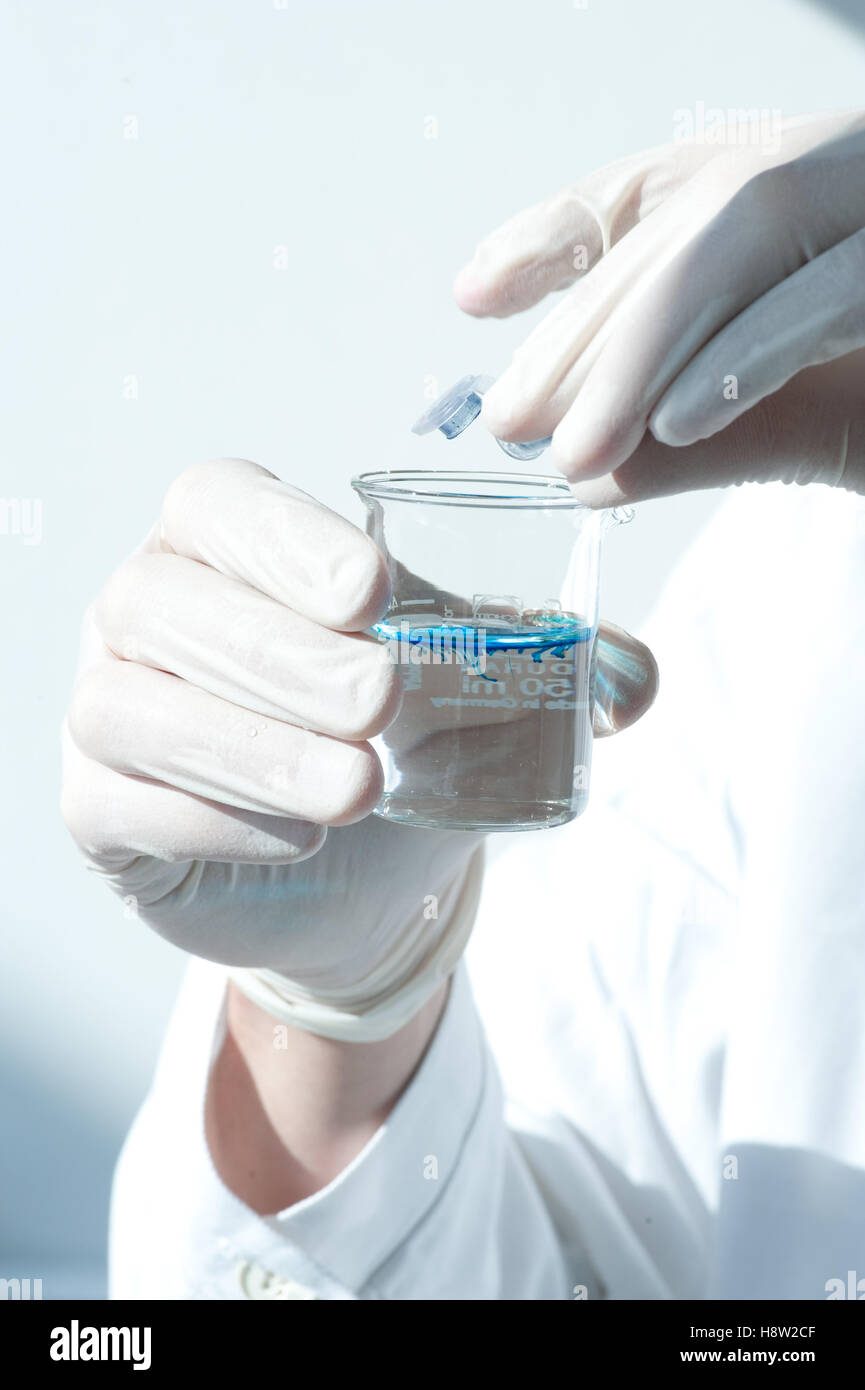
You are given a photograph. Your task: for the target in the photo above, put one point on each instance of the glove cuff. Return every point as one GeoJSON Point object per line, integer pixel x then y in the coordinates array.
{"type": "Point", "coordinates": [371, 1018]}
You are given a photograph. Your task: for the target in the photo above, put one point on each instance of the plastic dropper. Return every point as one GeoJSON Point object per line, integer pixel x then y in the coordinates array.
{"type": "Point", "coordinates": [454, 411]}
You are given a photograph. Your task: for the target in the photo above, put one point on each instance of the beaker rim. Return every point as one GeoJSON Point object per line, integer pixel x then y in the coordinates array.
{"type": "Point", "coordinates": [469, 488]}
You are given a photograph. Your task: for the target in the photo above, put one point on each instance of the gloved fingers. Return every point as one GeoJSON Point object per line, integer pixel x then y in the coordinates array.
{"type": "Point", "coordinates": [238, 518]}
{"type": "Point", "coordinates": [591, 372]}
{"type": "Point", "coordinates": [551, 245]}
{"type": "Point", "coordinates": [542, 249]}
{"type": "Point", "coordinates": [626, 680]}
{"type": "Point", "coordinates": [681, 306]}
{"type": "Point", "coordinates": [551, 371]}
{"type": "Point", "coordinates": [116, 818]}
{"type": "Point", "coordinates": [147, 723]}
{"type": "Point", "coordinates": [812, 430]}
{"type": "Point", "coordinates": [173, 614]}
{"type": "Point", "coordinates": [811, 317]}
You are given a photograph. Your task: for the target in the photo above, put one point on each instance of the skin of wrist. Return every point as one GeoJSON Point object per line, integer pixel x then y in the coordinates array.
{"type": "Point", "coordinates": [283, 1121]}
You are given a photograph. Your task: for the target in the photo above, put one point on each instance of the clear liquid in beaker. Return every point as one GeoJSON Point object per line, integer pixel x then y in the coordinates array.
{"type": "Point", "coordinates": [495, 730]}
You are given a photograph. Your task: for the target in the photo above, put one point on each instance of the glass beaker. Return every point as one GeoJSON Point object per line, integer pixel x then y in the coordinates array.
{"type": "Point", "coordinates": [493, 625]}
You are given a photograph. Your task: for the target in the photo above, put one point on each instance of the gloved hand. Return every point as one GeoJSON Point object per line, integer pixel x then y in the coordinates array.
{"type": "Point", "coordinates": [718, 335]}
{"type": "Point", "coordinates": [219, 724]}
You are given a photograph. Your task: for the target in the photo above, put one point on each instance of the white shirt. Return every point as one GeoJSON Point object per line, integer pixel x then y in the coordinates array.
{"type": "Point", "coordinates": [649, 1079]}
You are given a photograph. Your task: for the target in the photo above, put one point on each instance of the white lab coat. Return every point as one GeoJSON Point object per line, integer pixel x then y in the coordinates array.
{"type": "Point", "coordinates": [649, 1081]}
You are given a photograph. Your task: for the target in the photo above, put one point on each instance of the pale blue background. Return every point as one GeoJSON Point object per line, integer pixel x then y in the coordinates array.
{"type": "Point", "coordinates": [262, 126]}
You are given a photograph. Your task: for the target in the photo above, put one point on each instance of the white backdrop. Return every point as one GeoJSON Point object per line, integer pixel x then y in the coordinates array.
{"type": "Point", "coordinates": [227, 231]}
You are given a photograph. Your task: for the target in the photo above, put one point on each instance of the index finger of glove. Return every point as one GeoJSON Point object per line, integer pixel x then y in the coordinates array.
{"type": "Point", "coordinates": [239, 519]}
{"type": "Point", "coordinates": [549, 246]}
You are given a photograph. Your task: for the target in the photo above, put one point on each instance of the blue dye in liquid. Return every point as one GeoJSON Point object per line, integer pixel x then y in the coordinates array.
{"type": "Point", "coordinates": [553, 635]}
{"type": "Point", "coordinates": [495, 728]}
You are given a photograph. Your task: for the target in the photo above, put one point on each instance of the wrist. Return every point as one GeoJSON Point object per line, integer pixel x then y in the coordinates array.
{"type": "Point", "coordinates": [288, 1109]}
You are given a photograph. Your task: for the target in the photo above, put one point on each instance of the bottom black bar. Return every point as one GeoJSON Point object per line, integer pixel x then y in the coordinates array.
{"type": "Point", "coordinates": [63, 1338]}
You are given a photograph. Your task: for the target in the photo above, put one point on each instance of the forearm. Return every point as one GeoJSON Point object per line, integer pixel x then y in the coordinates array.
{"type": "Point", "coordinates": [283, 1121]}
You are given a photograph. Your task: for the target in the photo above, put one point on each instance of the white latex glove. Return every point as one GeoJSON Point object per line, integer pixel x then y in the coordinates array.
{"type": "Point", "coordinates": [718, 335]}
{"type": "Point", "coordinates": [218, 724]}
